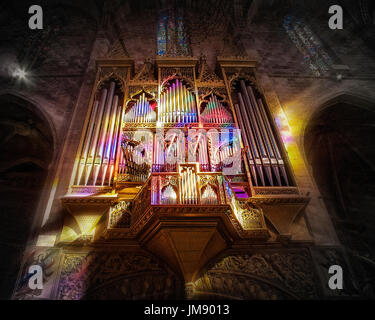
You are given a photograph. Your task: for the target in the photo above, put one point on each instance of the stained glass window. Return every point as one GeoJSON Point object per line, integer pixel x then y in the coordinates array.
{"type": "Point", "coordinates": [308, 44]}
{"type": "Point", "coordinates": [162, 36]}
{"type": "Point", "coordinates": [172, 39]}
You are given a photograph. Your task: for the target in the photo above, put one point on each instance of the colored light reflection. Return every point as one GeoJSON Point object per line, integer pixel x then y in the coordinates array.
{"type": "Point", "coordinates": [284, 127]}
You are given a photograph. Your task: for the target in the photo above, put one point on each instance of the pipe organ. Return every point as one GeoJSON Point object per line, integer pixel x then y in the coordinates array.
{"type": "Point", "coordinates": [195, 133]}
{"type": "Point", "coordinates": [266, 162]}
{"type": "Point", "coordinates": [153, 169]}
{"type": "Point", "coordinates": [177, 104]}
{"type": "Point", "coordinates": [98, 155]}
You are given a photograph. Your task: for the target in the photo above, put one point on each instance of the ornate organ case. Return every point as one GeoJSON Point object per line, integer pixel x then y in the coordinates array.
{"type": "Point", "coordinates": [155, 163]}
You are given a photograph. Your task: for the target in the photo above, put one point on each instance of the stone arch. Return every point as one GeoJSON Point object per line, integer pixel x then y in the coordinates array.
{"type": "Point", "coordinates": [119, 275]}
{"type": "Point", "coordinates": [33, 106]}
{"type": "Point", "coordinates": [258, 275]}
{"type": "Point", "coordinates": [27, 148]}
{"type": "Point", "coordinates": [338, 146]}
{"type": "Point", "coordinates": [366, 103]}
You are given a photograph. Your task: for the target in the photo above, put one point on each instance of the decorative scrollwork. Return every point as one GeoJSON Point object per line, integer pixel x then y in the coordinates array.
{"type": "Point", "coordinates": [120, 215]}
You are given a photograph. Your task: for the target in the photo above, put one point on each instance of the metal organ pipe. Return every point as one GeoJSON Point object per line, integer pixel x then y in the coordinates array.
{"type": "Point", "coordinates": [114, 144]}
{"type": "Point", "coordinates": [177, 104]}
{"type": "Point", "coordinates": [188, 186]}
{"type": "Point", "coordinates": [253, 144]}
{"type": "Point", "coordinates": [265, 134]}
{"type": "Point", "coordinates": [265, 156]}
{"type": "Point", "coordinates": [264, 151]}
{"type": "Point", "coordinates": [101, 142]}
{"type": "Point", "coordinates": [109, 140]}
{"type": "Point", "coordinates": [181, 109]}
{"type": "Point", "coordinates": [87, 143]}
{"type": "Point", "coordinates": [94, 140]}
{"type": "Point", "coordinates": [187, 117]}
{"type": "Point", "coordinates": [273, 140]}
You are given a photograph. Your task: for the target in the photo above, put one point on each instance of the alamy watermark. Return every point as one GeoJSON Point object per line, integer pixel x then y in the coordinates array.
{"type": "Point", "coordinates": [170, 147]}
{"type": "Point", "coordinates": [36, 20]}
{"type": "Point", "coordinates": [36, 277]}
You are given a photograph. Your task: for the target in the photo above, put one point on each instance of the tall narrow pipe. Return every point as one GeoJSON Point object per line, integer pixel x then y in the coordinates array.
{"type": "Point", "coordinates": [109, 140]}
{"type": "Point", "coordinates": [160, 108]}
{"type": "Point", "coordinates": [182, 102]}
{"type": "Point", "coordinates": [87, 142]}
{"type": "Point", "coordinates": [262, 125]}
{"type": "Point", "coordinates": [114, 145]}
{"type": "Point", "coordinates": [253, 145]}
{"type": "Point", "coordinates": [188, 106]}
{"type": "Point", "coordinates": [94, 140]}
{"type": "Point", "coordinates": [265, 157]}
{"type": "Point", "coordinates": [175, 100]}
{"type": "Point", "coordinates": [103, 131]}
{"type": "Point", "coordinates": [274, 142]}
{"type": "Point", "coordinates": [189, 186]}
{"type": "Point", "coordinates": [175, 106]}
{"type": "Point", "coordinates": [184, 110]}
{"type": "Point", "coordinates": [217, 110]}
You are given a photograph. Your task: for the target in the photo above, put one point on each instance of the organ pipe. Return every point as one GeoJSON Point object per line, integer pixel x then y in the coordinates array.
{"type": "Point", "coordinates": [114, 146]}
{"type": "Point", "coordinates": [251, 139]}
{"type": "Point", "coordinates": [265, 136]}
{"type": "Point", "coordinates": [87, 142]}
{"type": "Point", "coordinates": [257, 133]}
{"type": "Point", "coordinates": [273, 141]}
{"type": "Point", "coordinates": [94, 139]}
{"type": "Point", "coordinates": [273, 151]}
{"type": "Point", "coordinates": [264, 151]}
{"type": "Point", "coordinates": [245, 140]}
{"type": "Point", "coordinates": [99, 149]}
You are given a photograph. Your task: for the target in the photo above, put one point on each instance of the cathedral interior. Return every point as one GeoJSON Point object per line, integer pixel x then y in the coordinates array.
{"type": "Point", "coordinates": [171, 150]}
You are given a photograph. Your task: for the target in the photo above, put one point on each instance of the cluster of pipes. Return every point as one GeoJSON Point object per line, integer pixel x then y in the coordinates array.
{"type": "Point", "coordinates": [97, 159]}
{"type": "Point", "coordinates": [130, 161]}
{"type": "Point", "coordinates": [169, 196]}
{"type": "Point", "coordinates": [220, 153]}
{"type": "Point", "coordinates": [173, 148]}
{"type": "Point", "coordinates": [199, 152]}
{"type": "Point", "coordinates": [188, 186]}
{"type": "Point", "coordinates": [215, 112]}
{"type": "Point", "coordinates": [209, 196]}
{"type": "Point", "coordinates": [177, 104]}
{"type": "Point", "coordinates": [141, 112]}
{"type": "Point", "coordinates": [263, 152]}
